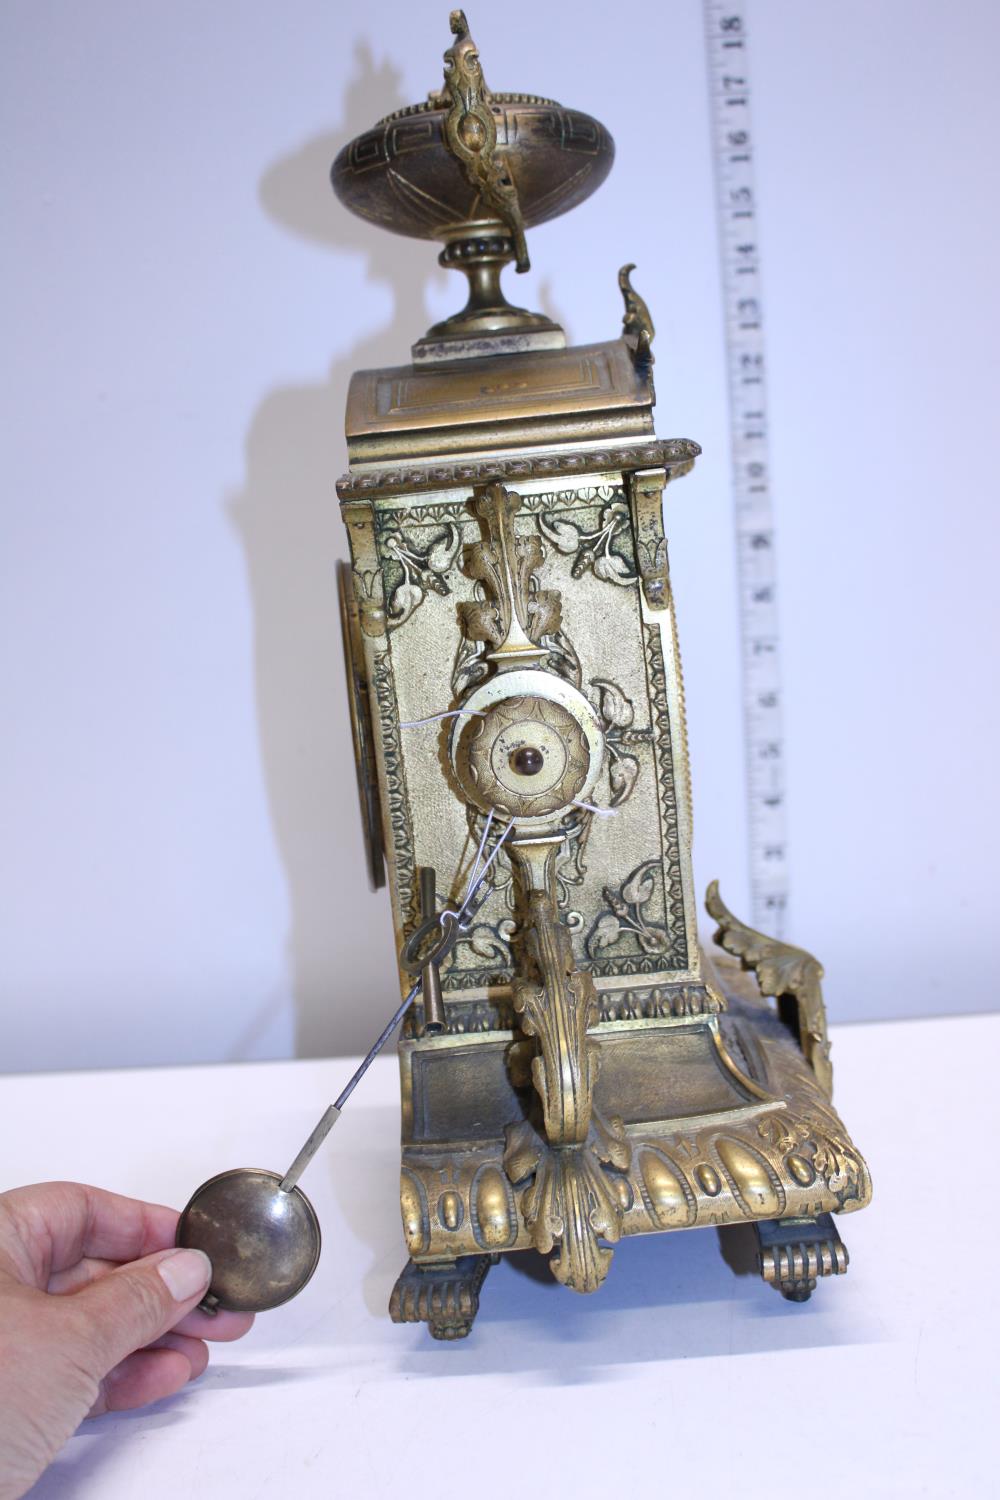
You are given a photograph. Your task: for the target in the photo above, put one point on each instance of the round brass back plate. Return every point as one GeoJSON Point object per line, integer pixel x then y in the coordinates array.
{"type": "Point", "coordinates": [528, 746]}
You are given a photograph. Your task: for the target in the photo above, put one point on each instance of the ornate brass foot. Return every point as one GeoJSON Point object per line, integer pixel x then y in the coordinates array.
{"type": "Point", "coordinates": [444, 1296]}
{"type": "Point", "coordinates": [793, 1253]}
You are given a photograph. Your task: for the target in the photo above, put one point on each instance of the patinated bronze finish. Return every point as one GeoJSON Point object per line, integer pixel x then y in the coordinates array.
{"type": "Point", "coordinates": [578, 1069]}
{"type": "Point", "coordinates": [263, 1241]}
{"type": "Point", "coordinates": [474, 168]}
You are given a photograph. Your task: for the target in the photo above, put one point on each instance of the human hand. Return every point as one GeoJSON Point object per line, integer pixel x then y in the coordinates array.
{"type": "Point", "coordinates": [97, 1313]}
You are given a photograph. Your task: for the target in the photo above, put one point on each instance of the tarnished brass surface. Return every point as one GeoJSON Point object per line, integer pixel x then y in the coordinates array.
{"type": "Point", "coordinates": [470, 133]}
{"type": "Point", "coordinates": [795, 1253]}
{"type": "Point", "coordinates": [444, 1296]}
{"type": "Point", "coordinates": [472, 168]}
{"type": "Point", "coordinates": [401, 175]}
{"type": "Point", "coordinates": [790, 974]}
{"type": "Point", "coordinates": [533, 729]}
{"type": "Point", "coordinates": [645, 493]}
{"type": "Point", "coordinates": [514, 615]}
{"type": "Point", "coordinates": [503, 404]}
{"type": "Point", "coordinates": [361, 727]}
{"type": "Point", "coordinates": [263, 1243]}
{"type": "Point", "coordinates": [555, 1001]}
{"type": "Point", "coordinates": [488, 323]}
{"type": "Point", "coordinates": [430, 975]}
{"type": "Point", "coordinates": [676, 457]}
{"type": "Point", "coordinates": [724, 1122]}
{"type": "Point", "coordinates": [578, 1070]}
{"type": "Point", "coordinates": [638, 330]}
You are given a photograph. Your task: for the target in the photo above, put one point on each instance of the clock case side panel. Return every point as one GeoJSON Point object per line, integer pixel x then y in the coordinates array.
{"type": "Point", "coordinates": [387, 748]}
{"type": "Point", "coordinates": [407, 553]}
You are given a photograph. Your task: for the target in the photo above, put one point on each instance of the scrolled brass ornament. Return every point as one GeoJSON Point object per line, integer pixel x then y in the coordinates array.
{"type": "Point", "coordinates": [575, 1067]}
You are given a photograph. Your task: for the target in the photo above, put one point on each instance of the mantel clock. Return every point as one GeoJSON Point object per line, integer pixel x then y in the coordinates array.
{"type": "Point", "coordinates": [578, 1068]}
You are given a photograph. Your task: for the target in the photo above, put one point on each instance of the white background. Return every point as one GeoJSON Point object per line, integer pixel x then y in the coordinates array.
{"type": "Point", "coordinates": [183, 303]}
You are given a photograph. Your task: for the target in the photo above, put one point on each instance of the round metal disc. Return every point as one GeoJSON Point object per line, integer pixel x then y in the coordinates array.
{"type": "Point", "coordinates": [263, 1244]}
{"type": "Point", "coordinates": [527, 707]}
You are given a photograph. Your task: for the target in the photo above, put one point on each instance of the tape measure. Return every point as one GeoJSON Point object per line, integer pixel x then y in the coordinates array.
{"type": "Point", "coordinates": [764, 750]}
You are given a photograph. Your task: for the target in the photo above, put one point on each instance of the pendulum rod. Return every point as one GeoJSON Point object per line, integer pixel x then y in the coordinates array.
{"type": "Point", "coordinates": [450, 923]}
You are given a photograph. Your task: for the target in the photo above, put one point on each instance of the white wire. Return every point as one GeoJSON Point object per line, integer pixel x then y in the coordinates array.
{"type": "Point", "coordinates": [479, 853]}
{"type": "Point", "coordinates": [458, 915]}
{"type": "Point", "coordinates": [602, 812]}
{"type": "Point", "coordinates": [451, 713]}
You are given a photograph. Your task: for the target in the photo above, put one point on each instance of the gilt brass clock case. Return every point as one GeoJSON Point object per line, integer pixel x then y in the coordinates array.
{"type": "Point", "coordinates": [578, 1068]}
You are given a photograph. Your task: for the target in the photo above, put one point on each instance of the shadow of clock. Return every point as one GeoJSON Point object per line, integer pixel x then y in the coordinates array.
{"type": "Point", "coordinates": [667, 1297]}
{"type": "Point", "coordinates": [287, 519]}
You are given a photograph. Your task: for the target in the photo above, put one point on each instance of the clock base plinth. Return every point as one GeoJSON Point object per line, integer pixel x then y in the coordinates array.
{"type": "Point", "coordinates": [726, 1120]}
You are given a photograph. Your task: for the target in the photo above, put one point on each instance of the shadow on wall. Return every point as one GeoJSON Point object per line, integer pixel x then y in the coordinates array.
{"type": "Point", "coordinates": [340, 948]}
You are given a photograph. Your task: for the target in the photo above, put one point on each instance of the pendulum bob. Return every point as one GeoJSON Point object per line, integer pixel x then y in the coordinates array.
{"type": "Point", "coordinates": [579, 1070]}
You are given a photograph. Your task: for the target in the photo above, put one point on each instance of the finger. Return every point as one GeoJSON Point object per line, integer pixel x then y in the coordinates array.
{"type": "Point", "coordinates": [220, 1328]}
{"type": "Point", "coordinates": [137, 1381]}
{"type": "Point", "coordinates": [60, 1222]}
{"type": "Point", "coordinates": [132, 1306]}
{"type": "Point", "coordinates": [82, 1274]}
{"type": "Point", "coordinates": [195, 1351]}
{"type": "Point", "coordinates": [148, 1375]}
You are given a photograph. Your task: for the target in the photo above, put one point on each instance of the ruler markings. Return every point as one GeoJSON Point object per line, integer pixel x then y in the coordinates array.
{"type": "Point", "coordinates": [764, 750]}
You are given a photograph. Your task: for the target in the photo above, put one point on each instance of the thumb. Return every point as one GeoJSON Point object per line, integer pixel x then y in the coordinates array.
{"type": "Point", "coordinates": [137, 1303]}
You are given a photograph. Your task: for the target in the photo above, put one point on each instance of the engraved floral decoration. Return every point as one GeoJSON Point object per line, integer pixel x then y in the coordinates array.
{"type": "Point", "coordinates": [471, 667]}
{"type": "Point", "coordinates": [607, 550]}
{"type": "Point", "coordinates": [626, 917]}
{"type": "Point", "coordinates": [422, 570]}
{"type": "Point", "coordinates": [618, 715]}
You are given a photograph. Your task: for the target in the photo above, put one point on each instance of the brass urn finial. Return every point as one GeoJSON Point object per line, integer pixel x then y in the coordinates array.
{"type": "Point", "coordinates": [474, 168]}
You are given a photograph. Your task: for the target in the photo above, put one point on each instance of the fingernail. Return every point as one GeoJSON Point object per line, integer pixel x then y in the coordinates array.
{"type": "Point", "coordinates": [186, 1273]}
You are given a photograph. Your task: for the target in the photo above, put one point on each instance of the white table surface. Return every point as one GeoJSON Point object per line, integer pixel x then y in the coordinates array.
{"type": "Point", "coordinates": [678, 1377]}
